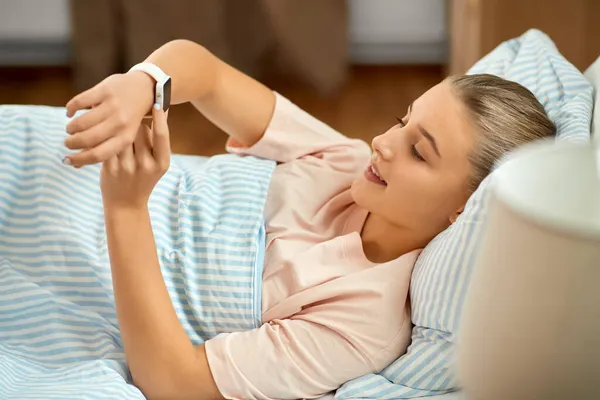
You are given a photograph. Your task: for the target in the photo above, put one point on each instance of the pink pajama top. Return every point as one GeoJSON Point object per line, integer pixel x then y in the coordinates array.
{"type": "Point", "coordinates": [329, 314]}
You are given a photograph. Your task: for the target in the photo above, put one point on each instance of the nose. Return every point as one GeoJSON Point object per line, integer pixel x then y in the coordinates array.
{"type": "Point", "coordinates": [383, 145]}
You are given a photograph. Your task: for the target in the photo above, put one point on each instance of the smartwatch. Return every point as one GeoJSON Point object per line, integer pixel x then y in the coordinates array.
{"type": "Point", "coordinates": [162, 90]}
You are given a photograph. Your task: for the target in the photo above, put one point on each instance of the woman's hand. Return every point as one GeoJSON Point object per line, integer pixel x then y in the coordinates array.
{"type": "Point", "coordinates": [117, 106]}
{"type": "Point", "coordinates": [127, 179]}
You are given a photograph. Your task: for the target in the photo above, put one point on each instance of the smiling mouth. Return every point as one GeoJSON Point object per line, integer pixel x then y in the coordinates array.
{"type": "Point", "coordinates": [372, 175]}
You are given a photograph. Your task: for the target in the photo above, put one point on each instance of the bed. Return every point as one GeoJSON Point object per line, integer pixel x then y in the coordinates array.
{"type": "Point", "coordinates": [592, 74]}
{"type": "Point", "coordinates": [195, 163]}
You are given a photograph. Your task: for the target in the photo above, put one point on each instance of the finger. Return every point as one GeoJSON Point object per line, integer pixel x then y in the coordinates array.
{"type": "Point", "coordinates": [100, 153]}
{"type": "Point", "coordinates": [126, 156]}
{"type": "Point", "coordinates": [88, 119]}
{"type": "Point", "coordinates": [150, 136]}
{"type": "Point", "coordinates": [142, 143]}
{"type": "Point", "coordinates": [160, 137]}
{"type": "Point", "coordinates": [87, 99]}
{"type": "Point", "coordinates": [112, 164]}
{"type": "Point", "coordinates": [127, 162]}
{"type": "Point", "coordinates": [92, 137]}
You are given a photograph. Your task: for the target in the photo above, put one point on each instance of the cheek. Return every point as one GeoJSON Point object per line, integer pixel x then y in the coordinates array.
{"type": "Point", "coordinates": [409, 178]}
{"type": "Point", "coordinates": [423, 193]}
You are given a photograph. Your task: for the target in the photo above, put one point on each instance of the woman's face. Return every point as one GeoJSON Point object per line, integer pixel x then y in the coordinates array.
{"type": "Point", "coordinates": [419, 172]}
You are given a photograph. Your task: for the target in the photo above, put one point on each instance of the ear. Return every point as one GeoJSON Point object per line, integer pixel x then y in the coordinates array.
{"type": "Point", "coordinates": [454, 216]}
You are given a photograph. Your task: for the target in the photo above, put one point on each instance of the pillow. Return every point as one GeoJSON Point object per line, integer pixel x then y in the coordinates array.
{"type": "Point", "coordinates": [442, 272]}
{"type": "Point", "coordinates": [593, 75]}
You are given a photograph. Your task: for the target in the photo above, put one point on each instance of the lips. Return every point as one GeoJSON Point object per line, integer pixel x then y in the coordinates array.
{"type": "Point", "coordinates": [371, 174]}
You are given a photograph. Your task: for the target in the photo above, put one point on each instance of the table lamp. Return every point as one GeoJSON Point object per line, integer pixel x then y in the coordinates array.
{"type": "Point", "coordinates": [531, 325]}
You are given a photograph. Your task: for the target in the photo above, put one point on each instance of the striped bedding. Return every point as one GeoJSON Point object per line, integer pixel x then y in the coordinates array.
{"type": "Point", "coordinates": [59, 336]}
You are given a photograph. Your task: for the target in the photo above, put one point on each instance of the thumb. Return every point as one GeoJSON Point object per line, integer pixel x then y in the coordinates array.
{"type": "Point", "coordinates": [161, 144]}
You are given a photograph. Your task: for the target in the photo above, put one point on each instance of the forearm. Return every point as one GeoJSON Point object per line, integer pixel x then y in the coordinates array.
{"type": "Point", "coordinates": [163, 361]}
{"type": "Point", "coordinates": [193, 69]}
{"type": "Point", "coordinates": [238, 104]}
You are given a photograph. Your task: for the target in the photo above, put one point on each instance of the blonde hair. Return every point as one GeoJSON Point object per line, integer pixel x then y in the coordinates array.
{"type": "Point", "coordinates": [505, 114]}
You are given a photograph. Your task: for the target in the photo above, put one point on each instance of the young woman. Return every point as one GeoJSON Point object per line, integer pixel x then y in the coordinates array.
{"type": "Point", "coordinates": [344, 222]}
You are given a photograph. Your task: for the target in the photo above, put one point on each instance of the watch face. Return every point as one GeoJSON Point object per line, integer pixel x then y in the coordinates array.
{"type": "Point", "coordinates": [167, 94]}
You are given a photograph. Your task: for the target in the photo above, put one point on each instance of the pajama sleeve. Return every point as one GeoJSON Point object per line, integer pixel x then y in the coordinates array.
{"type": "Point", "coordinates": [293, 134]}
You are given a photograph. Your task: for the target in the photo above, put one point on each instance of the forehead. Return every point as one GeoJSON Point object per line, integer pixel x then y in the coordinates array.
{"type": "Point", "coordinates": [442, 114]}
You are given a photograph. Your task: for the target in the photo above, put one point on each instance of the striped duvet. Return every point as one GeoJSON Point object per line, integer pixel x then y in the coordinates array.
{"type": "Point", "coordinates": [59, 336]}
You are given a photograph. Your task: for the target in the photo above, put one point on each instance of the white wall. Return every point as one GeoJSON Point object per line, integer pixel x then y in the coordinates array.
{"type": "Point", "coordinates": [396, 21]}
{"type": "Point", "coordinates": [39, 20]}
{"type": "Point", "coordinates": [34, 32]}
{"type": "Point", "coordinates": [381, 31]}
{"type": "Point", "coordinates": [398, 31]}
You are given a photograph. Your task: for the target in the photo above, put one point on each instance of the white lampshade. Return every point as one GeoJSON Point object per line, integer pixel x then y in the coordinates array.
{"type": "Point", "coordinates": [531, 324]}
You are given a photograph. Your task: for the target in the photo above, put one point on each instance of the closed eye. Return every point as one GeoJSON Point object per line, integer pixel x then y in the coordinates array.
{"type": "Point", "coordinates": [416, 153]}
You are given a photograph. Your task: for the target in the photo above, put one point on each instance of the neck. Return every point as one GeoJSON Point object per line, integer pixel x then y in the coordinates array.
{"type": "Point", "coordinates": [383, 241]}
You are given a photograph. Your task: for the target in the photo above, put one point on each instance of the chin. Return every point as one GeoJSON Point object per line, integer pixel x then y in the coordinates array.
{"type": "Point", "coordinates": [362, 193]}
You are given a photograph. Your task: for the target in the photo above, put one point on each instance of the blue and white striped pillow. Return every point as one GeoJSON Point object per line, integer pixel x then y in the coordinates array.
{"type": "Point", "coordinates": [443, 270]}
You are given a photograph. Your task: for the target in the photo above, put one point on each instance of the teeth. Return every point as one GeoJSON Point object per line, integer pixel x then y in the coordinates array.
{"type": "Point", "coordinates": [375, 172]}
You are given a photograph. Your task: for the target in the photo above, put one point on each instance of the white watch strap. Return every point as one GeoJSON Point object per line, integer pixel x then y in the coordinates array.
{"type": "Point", "coordinates": [152, 70]}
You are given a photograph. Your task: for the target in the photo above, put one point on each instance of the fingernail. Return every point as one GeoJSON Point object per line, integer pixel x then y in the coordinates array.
{"type": "Point", "coordinates": [156, 106]}
{"type": "Point", "coordinates": [66, 161]}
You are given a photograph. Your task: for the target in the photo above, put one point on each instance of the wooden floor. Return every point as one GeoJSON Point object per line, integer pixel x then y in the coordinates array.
{"type": "Point", "coordinates": [366, 106]}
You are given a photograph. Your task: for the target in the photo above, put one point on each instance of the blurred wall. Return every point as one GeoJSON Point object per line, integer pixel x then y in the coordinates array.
{"type": "Point", "coordinates": [398, 31]}
{"type": "Point", "coordinates": [34, 32]}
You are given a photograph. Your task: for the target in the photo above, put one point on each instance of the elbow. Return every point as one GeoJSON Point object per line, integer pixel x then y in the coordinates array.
{"type": "Point", "coordinates": [169, 387]}
{"type": "Point", "coordinates": [181, 377]}
{"type": "Point", "coordinates": [155, 388]}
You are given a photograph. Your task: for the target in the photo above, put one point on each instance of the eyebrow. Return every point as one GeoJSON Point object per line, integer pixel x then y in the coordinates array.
{"type": "Point", "coordinates": [426, 134]}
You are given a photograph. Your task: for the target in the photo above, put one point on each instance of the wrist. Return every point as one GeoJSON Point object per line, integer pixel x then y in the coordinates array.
{"type": "Point", "coordinates": [145, 85]}
{"type": "Point", "coordinates": [119, 211]}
